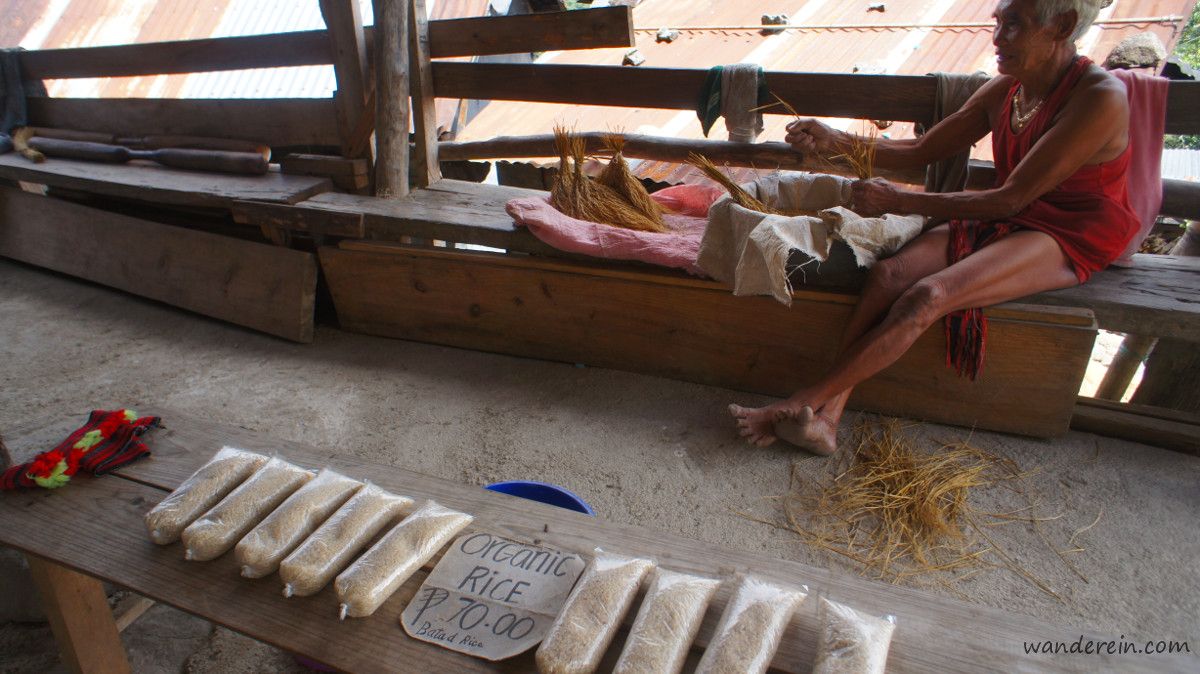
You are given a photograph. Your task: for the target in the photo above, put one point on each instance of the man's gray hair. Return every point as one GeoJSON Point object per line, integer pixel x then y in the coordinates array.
{"type": "Point", "coordinates": [1086, 10]}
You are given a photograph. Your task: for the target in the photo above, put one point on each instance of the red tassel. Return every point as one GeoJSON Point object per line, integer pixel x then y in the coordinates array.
{"type": "Point", "coordinates": [966, 330]}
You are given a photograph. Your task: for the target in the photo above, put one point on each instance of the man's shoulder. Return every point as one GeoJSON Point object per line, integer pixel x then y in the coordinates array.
{"type": "Point", "coordinates": [1099, 82]}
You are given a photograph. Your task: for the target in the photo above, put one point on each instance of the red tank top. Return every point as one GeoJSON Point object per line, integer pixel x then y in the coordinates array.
{"type": "Point", "coordinates": [1089, 213]}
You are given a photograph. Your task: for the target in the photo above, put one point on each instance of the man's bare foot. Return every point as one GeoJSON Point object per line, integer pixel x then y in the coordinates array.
{"type": "Point", "coordinates": [792, 422]}
{"type": "Point", "coordinates": [756, 424]}
{"type": "Point", "coordinates": [807, 430]}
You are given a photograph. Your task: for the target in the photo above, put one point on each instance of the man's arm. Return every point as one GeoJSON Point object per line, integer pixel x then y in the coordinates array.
{"type": "Point", "coordinates": [952, 135]}
{"type": "Point", "coordinates": [1092, 125]}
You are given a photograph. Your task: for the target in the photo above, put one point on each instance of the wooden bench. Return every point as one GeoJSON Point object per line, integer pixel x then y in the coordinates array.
{"type": "Point", "coordinates": [92, 531]}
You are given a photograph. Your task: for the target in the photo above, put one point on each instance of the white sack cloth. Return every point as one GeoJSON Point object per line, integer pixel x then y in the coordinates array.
{"type": "Point", "coordinates": [750, 250]}
{"type": "Point", "coordinates": [739, 97]}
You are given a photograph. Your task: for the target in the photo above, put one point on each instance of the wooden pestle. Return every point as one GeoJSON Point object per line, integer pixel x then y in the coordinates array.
{"type": "Point", "coordinates": [246, 163]}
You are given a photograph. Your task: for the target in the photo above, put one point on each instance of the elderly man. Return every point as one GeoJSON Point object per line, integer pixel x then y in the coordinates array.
{"type": "Point", "coordinates": [1058, 212]}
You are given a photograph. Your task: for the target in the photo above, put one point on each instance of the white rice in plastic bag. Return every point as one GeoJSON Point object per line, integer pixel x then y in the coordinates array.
{"type": "Point", "coordinates": [852, 642]}
{"type": "Point", "coordinates": [221, 527]}
{"type": "Point", "coordinates": [228, 468]}
{"type": "Point", "coordinates": [261, 550]}
{"type": "Point", "coordinates": [666, 623]}
{"type": "Point", "coordinates": [750, 629]}
{"type": "Point", "coordinates": [591, 615]}
{"type": "Point", "coordinates": [381, 571]}
{"type": "Point", "coordinates": [330, 548]}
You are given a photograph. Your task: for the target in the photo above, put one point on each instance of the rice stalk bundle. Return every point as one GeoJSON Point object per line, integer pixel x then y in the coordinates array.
{"type": "Point", "coordinates": [740, 196]}
{"type": "Point", "coordinates": [859, 153]}
{"type": "Point", "coordinates": [618, 176]}
{"type": "Point", "coordinates": [578, 196]}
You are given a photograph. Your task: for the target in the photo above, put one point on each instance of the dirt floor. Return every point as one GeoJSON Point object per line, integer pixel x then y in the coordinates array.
{"type": "Point", "coordinates": [641, 450]}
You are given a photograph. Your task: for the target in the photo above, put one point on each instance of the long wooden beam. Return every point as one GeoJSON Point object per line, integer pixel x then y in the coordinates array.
{"type": "Point", "coordinates": [1183, 107]}
{"type": "Point", "coordinates": [302, 48]}
{"type": "Point", "coordinates": [907, 98]}
{"type": "Point", "coordinates": [766, 156]}
{"type": "Point", "coordinates": [895, 97]}
{"type": "Point", "coordinates": [550, 31]}
{"type": "Point", "coordinates": [275, 121]}
{"type": "Point", "coordinates": [543, 31]}
{"type": "Point", "coordinates": [1170, 429]}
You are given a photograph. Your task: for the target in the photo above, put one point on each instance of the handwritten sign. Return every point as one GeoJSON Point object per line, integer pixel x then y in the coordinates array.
{"type": "Point", "coordinates": [491, 597]}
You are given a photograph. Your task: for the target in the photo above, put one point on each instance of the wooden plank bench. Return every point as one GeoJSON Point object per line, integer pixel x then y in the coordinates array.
{"type": "Point", "coordinates": [98, 534]}
{"type": "Point", "coordinates": [658, 321]}
{"type": "Point", "coordinates": [145, 181]}
{"type": "Point", "coordinates": [256, 285]}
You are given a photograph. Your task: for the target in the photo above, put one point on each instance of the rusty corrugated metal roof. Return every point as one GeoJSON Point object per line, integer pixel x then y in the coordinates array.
{"type": "Point", "coordinates": [944, 44]}
{"type": "Point", "coordinates": [46, 24]}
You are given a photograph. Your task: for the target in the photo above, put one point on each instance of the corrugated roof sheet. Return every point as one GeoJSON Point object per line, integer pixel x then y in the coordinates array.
{"type": "Point", "coordinates": [1181, 165]}
{"type": "Point", "coordinates": [46, 24]}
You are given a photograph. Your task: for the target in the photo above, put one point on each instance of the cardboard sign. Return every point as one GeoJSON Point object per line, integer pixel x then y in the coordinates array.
{"type": "Point", "coordinates": [491, 597]}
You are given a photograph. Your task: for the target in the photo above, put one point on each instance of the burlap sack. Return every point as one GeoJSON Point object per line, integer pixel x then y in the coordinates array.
{"type": "Point", "coordinates": [750, 250]}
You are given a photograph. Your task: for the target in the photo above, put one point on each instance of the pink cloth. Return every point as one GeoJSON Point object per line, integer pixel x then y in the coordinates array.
{"type": "Point", "coordinates": [677, 248]}
{"type": "Point", "coordinates": [1147, 122]}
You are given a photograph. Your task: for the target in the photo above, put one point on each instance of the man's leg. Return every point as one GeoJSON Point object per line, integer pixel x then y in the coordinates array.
{"type": "Point", "coordinates": [888, 280]}
{"type": "Point", "coordinates": [1020, 264]}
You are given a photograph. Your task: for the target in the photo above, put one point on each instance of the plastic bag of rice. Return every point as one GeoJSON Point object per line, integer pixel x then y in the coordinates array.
{"type": "Point", "coordinates": [331, 547]}
{"type": "Point", "coordinates": [852, 642]}
{"type": "Point", "coordinates": [228, 468]}
{"type": "Point", "coordinates": [666, 623]}
{"type": "Point", "coordinates": [260, 552]}
{"type": "Point", "coordinates": [381, 571]}
{"type": "Point", "coordinates": [217, 530]}
{"type": "Point", "coordinates": [591, 615]}
{"type": "Point", "coordinates": [751, 628]}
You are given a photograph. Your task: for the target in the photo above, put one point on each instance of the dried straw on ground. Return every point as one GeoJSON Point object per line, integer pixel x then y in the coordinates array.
{"type": "Point", "coordinates": [580, 197]}
{"type": "Point", "coordinates": [900, 513]}
{"type": "Point", "coordinates": [616, 174]}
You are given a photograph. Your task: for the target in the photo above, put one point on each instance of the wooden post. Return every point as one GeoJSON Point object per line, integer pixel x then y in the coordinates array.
{"type": "Point", "coordinates": [391, 98]}
{"type": "Point", "coordinates": [1174, 365]}
{"type": "Point", "coordinates": [425, 163]}
{"type": "Point", "coordinates": [79, 615]}
{"type": "Point", "coordinates": [348, 48]}
{"type": "Point", "coordinates": [1124, 366]}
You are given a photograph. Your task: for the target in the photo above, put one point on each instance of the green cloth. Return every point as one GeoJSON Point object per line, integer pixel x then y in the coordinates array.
{"type": "Point", "coordinates": [708, 107]}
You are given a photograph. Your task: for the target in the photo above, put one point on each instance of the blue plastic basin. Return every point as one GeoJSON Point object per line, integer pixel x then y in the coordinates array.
{"type": "Point", "coordinates": [542, 492]}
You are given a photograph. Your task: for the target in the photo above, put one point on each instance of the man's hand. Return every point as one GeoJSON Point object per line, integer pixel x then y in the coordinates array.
{"type": "Point", "coordinates": [810, 136]}
{"type": "Point", "coordinates": [874, 197]}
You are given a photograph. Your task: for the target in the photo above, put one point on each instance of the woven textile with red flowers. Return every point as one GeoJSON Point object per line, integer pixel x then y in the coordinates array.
{"type": "Point", "coordinates": [109, 439]}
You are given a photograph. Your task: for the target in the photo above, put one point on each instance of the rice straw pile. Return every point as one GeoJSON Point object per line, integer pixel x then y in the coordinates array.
{"type": "Point", "coordinates": [580, 197]}
{"type": "Point", "coordinates": [616, 174]}
{"type": "Point", "coordinates": [901, 513]}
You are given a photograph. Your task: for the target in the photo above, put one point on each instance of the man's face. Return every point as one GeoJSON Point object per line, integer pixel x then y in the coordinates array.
{"type": "Point", "coordinates": [1022, 44]}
